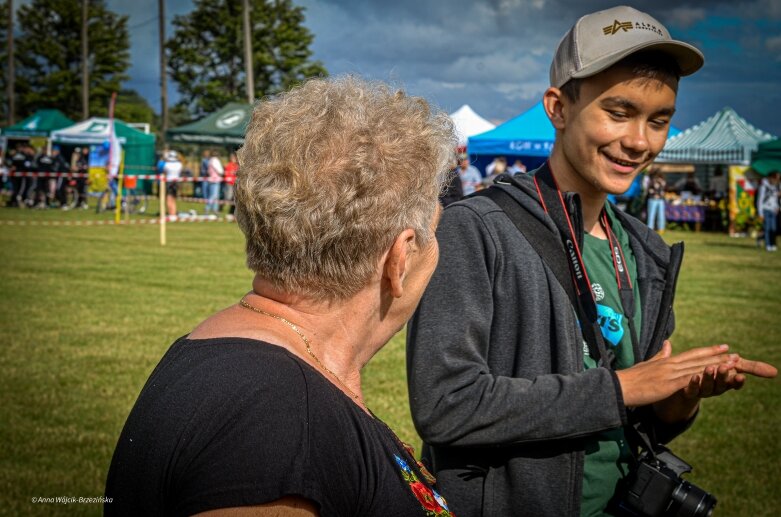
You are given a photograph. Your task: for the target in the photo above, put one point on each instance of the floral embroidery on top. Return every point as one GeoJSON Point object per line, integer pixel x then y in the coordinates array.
{"type": "Point", "coordinates": [433, 503]}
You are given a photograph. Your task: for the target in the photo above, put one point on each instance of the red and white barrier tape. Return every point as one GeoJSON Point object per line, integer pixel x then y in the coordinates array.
{"type": "Point", "coordinates": [156, 177]}
{"type": "Point", "coordinates": [48, 174]}
{"type": "Point", "coordinates": [107, 222]}
{"type": "Point", "coordinates": [202, 200]}
{"type": "Point", "coordinates": [184, 199]}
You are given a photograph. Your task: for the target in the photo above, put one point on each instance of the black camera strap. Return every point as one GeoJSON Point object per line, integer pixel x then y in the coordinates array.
{"type": "Point", "coordinates": [537, 234]}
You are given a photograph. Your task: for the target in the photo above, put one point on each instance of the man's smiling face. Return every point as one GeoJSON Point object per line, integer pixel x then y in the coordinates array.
{"type": "Point", "coordinates": [614, 130]}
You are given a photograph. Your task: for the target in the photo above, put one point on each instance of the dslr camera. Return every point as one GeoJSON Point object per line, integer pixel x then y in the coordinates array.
{"type": "Point", "coordinates": [655, 488]}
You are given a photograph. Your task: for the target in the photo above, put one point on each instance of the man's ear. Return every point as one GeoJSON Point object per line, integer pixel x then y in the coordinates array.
{"type": "Point", "coordinates": [397, 261]}
{"type": "Point", "coordinates": [552, 102]}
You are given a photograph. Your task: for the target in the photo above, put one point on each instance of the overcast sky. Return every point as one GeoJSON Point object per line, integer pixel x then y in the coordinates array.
{"type": "Point", "coordinates": [495, 54]}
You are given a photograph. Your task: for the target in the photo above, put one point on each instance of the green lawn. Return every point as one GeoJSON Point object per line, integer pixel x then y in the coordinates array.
{"type": "Point", "coordinates": [87, 311]}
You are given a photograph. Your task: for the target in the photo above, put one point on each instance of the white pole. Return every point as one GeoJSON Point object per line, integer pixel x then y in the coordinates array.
{"type": "Point", "coordinates": [162, 209]}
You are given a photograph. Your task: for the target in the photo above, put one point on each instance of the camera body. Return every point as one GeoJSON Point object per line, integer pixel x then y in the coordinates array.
{"type": "Point", "coordinates": [655, 488]}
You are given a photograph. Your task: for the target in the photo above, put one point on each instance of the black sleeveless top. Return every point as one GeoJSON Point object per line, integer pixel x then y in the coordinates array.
{"type": "Point", "coordinates": [229, 422]}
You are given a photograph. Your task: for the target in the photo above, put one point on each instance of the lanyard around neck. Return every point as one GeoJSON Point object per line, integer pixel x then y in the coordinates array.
{"type": "Point", "coordinates": [552, 201]}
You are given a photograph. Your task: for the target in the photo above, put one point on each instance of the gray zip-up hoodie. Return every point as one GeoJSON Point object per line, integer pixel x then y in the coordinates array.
{"type": "Point", "coordinates": [495, 362]}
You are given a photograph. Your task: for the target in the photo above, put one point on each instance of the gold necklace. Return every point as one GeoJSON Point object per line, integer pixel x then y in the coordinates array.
{"type": "Point", "coordinates": [295, 329]}
{"type": "Point", "coordinates": [426, 474]}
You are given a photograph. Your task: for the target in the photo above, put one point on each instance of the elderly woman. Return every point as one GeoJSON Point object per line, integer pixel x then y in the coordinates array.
{"type": "Point", "coordinates": [260, 410]}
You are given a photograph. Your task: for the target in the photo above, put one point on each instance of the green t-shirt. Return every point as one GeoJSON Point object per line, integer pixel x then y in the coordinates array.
{"type": "Point", "coordinates": [607, 453]}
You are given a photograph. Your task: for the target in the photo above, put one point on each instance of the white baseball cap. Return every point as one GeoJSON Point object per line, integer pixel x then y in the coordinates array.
{"type": "Point", "coordinates": [599, 40]}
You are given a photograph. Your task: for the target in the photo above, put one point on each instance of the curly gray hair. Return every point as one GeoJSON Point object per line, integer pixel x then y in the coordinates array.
{"type": "Point", "coordinates": [329, 174]}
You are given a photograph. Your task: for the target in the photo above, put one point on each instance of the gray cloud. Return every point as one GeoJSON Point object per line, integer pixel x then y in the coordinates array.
{"type": "Point", "coordinates": [773, 44]}
{"type": "Point", "coordinates": [686, 16]}
{"type": "Point", "coordinates": [495, 54]}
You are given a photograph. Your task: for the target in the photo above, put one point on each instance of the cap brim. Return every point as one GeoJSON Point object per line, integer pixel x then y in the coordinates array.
{"type": "Point", "coordinates": [688, 57]}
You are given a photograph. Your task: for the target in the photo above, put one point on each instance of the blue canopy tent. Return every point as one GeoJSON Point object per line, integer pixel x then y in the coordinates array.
{"type": "Point", "coordinates": [528, 137]}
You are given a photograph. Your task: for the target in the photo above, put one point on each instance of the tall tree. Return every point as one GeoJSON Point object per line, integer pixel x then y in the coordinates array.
{"type": "Point", "coordinates": [49, 54]}
{"type": "Point", "coordinates": [132, 107]}
{"type": "Point", "coordinates": [3, 60]}
{"type": "Point", "coordinates": [206, 53]}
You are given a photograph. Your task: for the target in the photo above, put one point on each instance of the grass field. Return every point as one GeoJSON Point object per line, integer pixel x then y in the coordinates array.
{"type": "Point", "coordinates": [87, 311]}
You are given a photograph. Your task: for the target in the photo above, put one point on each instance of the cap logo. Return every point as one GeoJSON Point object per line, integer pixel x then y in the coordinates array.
{"type": "Point", "coordinates": [649, 27]}
{"type": "Point", "coordinates": [617, 26]}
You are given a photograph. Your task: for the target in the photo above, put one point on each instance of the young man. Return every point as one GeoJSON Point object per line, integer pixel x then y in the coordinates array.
{"type": "Point", "coordinates": [522, 396]}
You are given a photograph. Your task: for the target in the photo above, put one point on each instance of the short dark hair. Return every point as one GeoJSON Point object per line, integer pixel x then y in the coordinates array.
{"type": "Point", "coordinates": [648, 65]}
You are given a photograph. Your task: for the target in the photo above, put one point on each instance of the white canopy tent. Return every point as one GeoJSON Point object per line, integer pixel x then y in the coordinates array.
{"type": "Point", "coordinates": [468, 123]}
{"type": "Point", "coordinates": [139, 147]}
{"type": "Point", "coordinates": [94, 131]}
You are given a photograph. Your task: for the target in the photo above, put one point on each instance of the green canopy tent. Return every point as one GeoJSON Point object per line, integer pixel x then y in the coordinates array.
{"type": "Point", "coordinates": [724, 138]}
{"type": "Point", "coordinates": [39, 124]}
{"type": "Point", "coordinates": [722, 144]}
{"type": "Point", "coordinates": [767, 157]}
{"type": "Point", "coordinates": [223, 127]}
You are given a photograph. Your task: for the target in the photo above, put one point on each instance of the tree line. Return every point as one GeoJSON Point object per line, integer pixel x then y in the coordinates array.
{"type": "Point", "coordinates": [204, 54]}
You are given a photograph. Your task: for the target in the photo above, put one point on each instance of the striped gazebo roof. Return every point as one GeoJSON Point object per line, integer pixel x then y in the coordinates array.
{"type": "Point", "coordinates": [724, 138]}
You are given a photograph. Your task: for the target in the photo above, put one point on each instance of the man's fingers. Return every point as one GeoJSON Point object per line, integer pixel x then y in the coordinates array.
{"type": "Point", "coordinates": [692, 389]}
{"type": "Point", "coordinates": [707, 383]}
{"type": "Point", "coordinates": [665, 352]}
{"type": "Point", "coordinates": [723, 380]}
{"type": "Point", "coordinates": [756, 368]}
{"type": "Point", "coordinates": [697, 364]}
{"type": "Point", "coordinates": [738, 381]}
{"type": "Point", "coordinates": [702, 352]}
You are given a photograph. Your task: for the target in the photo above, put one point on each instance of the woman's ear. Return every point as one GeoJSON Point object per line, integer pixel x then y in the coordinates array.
{"type": "Point", "coordinates": [552, 102]}
{"type": "Point", "coordinates": [397, 261]}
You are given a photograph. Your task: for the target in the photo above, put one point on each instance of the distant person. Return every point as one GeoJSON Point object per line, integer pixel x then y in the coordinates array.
{"type": "Point", "coordinates": [231, 169]}
{"type": "Point", "coordinates": [32, 184]}
{"type": "Point", "coordinates": [21, 161]}
{"type": "Point", "coordinates": [470, 177]}
{"type": "Point", "coordinates": [499, 162]}
{"type": "Point", "coordinates": [495, 169]}
{"type": "Point", "coordinates": [82, 169]}
{"type": "Point", "coordinates": [4, 169]}
{"type": "Point", "coordinates": [688, 185]}
{"type": "Point", "coordinates": [71, 181]}
{"type": "Point", "coordinates": [517, 167]}
{"type": "Point", "coordinates": [214, 171]}
{"type": "Point", "coordinates": [656, 203]}
{"type": "Point", "coordinates": [259, 410]}
{"type": "Point", "coordinates": [44, 183]}
{"type": "Point", "coordinates": [74, 159]}
{"type": "Point", "coordinates": [717, 186]}
{"type": "Point", "coordinates": [204, 174]}
{"type": "Point", "coordinates": [58, 184]}
{"type": "Point", "coordinates": [172, 168]}
{"type": "Point", "coordinates": [767, 205]}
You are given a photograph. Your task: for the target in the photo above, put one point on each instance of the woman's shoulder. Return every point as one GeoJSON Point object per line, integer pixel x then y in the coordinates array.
{"type": "Point", "coordinates": [263, 374]}
{"type": "Point", "coordinates": [210, 374]}
{"type": "Point", "coordinates": [228, 349]}
{"type": "Point", "coordinates": [217, 416]}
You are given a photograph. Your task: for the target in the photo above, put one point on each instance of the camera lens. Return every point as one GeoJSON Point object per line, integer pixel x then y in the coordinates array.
{"type": "Point", "coordinates": [691, 501]}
